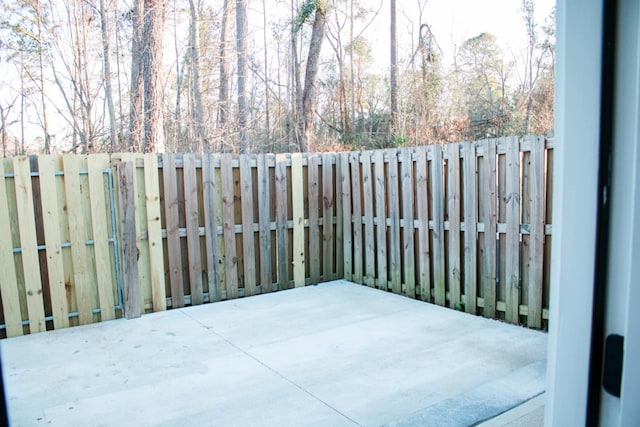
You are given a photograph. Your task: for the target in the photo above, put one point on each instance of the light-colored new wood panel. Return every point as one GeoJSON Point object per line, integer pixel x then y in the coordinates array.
{"type": "Point", "coordinates": [297, 194]}
{"type": "Point", "coordinates": [381, 216]}
{"type": "Point", "coordinates": [248, 240]}
{"type": "Point", "coordinates": [422, 210]}
{"type": "Point", "coordinates": [8, 286]}
{"type": "Point", "coordinates": [453, 200]}
{"type": "Point", "coordinates": [470, 227]}
{"type": "Point", "coordinates": [96, 164]}
{"type": "Point", "coordinates": [512, 252]}
{"type": "Point", "coordinates": [154, 232]}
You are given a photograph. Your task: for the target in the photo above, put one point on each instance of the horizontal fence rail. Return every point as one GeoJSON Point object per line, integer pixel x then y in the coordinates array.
{"type": "Point", "coordinates": [91, 238]}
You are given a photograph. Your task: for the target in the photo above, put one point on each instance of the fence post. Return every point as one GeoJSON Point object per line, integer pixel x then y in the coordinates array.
{"type": "Point", "coordinates": [129, 251]}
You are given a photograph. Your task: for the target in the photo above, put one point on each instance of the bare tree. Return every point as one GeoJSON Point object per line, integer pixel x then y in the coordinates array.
{"type": "Point", "coordinates": [152, 75]}
{"type": "Point", "coordinates": [195, 77]}
{"type": "Point", "coordinates": [106, 61]}
{"type": "Point", "coordinates": [223, 93]}
{"type": "Point", "coordinates": [241, 48]}
{"type": "Point", "coordinates": [394, 69]}
{"type": "Point", "coordinates": [137, 82]}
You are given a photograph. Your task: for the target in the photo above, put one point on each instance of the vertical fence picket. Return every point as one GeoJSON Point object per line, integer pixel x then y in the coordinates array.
{"type": "Point", "coordinates": [313, 182]}
{"type": "Point", "coordinates": [490, 210]}
{"type": "Point", "coordinates": [453, 200]}
{"type": "Point", "coordinates": [408, 246]}
{"type": "Point", "coordinates": [381, 216]}
{"type": "Point", "coordinates": [393, 196]}
{"type": "Point", "coordinates": [356, 197]}
{"type": "Point", "coordinates": [281, 222]}
{"type": "Point", "coordinates": [328, 240]}
{"type": "Point", "coordinates": [192, 223]}
{"type": "Point", "coordinates": [369, 236]}
{"type": "Point", "coordinates": [264, 218]}
{"type": "Point", "coordinates": [128, 249]}
{"type": "Point", "coordinates": [536, 233]}
{"type": "Point", "coordinates": [228, 225]}
{"type": "Point", "coordinates": [172, 219]}
{"type": "Point", "coordinates": [347, 204]}
{"type": "Point", "coordinates": [211, 226]}
{"type": "Point", "coordinates": [470, 227]}
{"type": "Point", "coordinates": [512, 261]}
{"type": "Point", "coordinates": [8, 287]}
{"type": "Point", "coordinates": [297, 193]}
{"type": "Point", "coordinates": [248, 236]}
{"type": "Point", "coordinates": [154, 232]}
{"type": "Point", "coordinates": [437, 215]}
{"type": "Point", "coordinates": [96, 164]}
{"type": "Point", "coordinates": [422, 210]}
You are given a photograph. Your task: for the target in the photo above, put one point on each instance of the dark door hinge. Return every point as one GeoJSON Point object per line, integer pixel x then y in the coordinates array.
{"type": "Point", "coordinates": [613, 356]}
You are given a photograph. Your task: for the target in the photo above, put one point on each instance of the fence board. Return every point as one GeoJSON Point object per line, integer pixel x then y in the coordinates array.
{"type": "Point", "coordinates": [79, 251]}
{"type": "Point", "coordinates": [356, 195]}
{"type": "Point", "coordinates": [470, 227]}
{"type": "Point", "coordinates": [369, 236]}
{"type": "Point", "coordinates": [339, 233]}
{"type": "Point", "coordinates": [328, 248]}
{"type": "Point", "coordinates": [228, 225]}
{"type": "Point", "coordinates": [47, 166]}
{"type": "Point", "coordinates": [248, 241]}
{"type": "Point", "coordinates": [222, 272]}
{"type": "Point", "coordinates": [453, 201]}
{"type": "Point", "coordinates": [172, 221]}
{"type": "Point", "coordinates": [490, 219]}
{"type": "Point", "coordinates": [437, 215]}
{"type": "Point", "coordinates": [281, 222]}
{"type": "Point", "coordinates": [192, 223]}
{"type": "Point", "coordinates": [422, 210]}
{"type": "Point", "coordinates": [297, 194]}
{"type": "Point", "coordinates": [395, 274]}
{"type": "Point", "coordinates": [8, 287]}
{"type": "Point", "coordinates": [381, 215]}
{"type": "Point", "coordinates": [96, 164]}
{"type": "Point", "coordinates": [154, 232]}
{"type": "Point", "coordinates": [512, 265]}
{"type": "Point", "coordinates": [536, 232]}
{"type": "Point", "coordinates": [211, 226]}
{"type": "Point", "coordinates": [264, 214]}
{"type": "Point", "coordinates": [129, 252]}
{"type": "Point", "coordinates": [347, 233]}
{"type": "Point", "coordinates": [314, 231]}
{"type": "Point", "coordinates": [408, 244]}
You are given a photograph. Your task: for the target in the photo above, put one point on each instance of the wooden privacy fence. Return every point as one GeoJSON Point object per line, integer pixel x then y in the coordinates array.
{"type": "Point", "coordinates": [91, 238]}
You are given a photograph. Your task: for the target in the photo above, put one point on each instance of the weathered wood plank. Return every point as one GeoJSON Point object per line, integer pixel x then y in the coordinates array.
{"type": "Point", "coordinates": [512, 255]}
{"type": "Point", "coordinates": [192, 223]}
{"type": "Point", "coordinates": [536, 233]}
{"type": "Point", "coordinates": [356, 197]}
{"type": "Point", "coordinates": [96, 164]}
{"type": "Point", "coordinates": [437, 216]}
{"type": "Point", "coordinates": [313, 183]}
{"type": "Point", "coordinates": [172, 221]}
{"type": "Point", "coordinates": [83, 279]}
{"type": "Point", "coordinates": [347, 239]}
{"type": "Point", "coordinates": [222, 274]}
{"type": "Point", "coordinates": [470, 227]}
{"type": "Point", "coordinates": [422, 210]}
{"type": "Point", "coordinates": [297, 193]}
{"type": "Point", "coordinates": [9, 286]}
{"type": "Point", "coordinates": [211, 226]}
{"type": "Point", "coordinates": [453, 200]}
{"type": "Point", "coordinates": [228, 225]}
{"type": "Point", "coordinates": [381, 215]}
{"type": "Point", "coordinates": [339, 233]}
{"type": "Point", "coordinates": [393, 197]}
{"type": "Point", "coordinates": [264, 214]}
{"type": "Point", "coordinates": [248, 237]}
{"type": "Point", "coordinates": [490, 208]}
{"type": "Point", "coordinates": [129, 252]}
{"type": "Point", "coordinates": [47, 166]}
{"type": "Point", "coordinates": [281, 221]}
{"type": "Point", "coordinates": [154, 232]}
{"type": "Point", "coordinates": [408, 232]}
{"type": "Point", "coordinates": [328, 247]}
{"type": "Point", "coordinates": [369, 236]}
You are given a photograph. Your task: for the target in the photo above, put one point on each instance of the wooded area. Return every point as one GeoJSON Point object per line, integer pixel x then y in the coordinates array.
{"type": "Point", "coordinates": [281, 76]}
{"type": "Point", "coordinates": [90, 238]}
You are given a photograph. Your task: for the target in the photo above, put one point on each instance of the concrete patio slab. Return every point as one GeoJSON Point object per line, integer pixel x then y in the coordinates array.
{"type": "Point", "coordinates": [327, 355]}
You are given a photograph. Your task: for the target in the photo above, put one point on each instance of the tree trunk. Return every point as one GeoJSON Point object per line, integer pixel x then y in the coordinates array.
{"type": "Point", "coordinates": [223, 94]}
{"type": "Point", "coordinates": [241, 47]}
{"type": "Point", "coordinates": [106, 62]}
{"type": "Point", "coordinates": [313, 59]}
{"type": "Point", "coordinates": [152, 75]}
{"type": "Point", "coordinates": [135, 115]}
{"type": "Point", "coordinates": [195, 81]}
{"type": "Point", "coordinates": [394, 70]}
{"type": "Point", "coordinates": [267, 144]}
{"type": "Point", "coordinates": [41, 59]}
